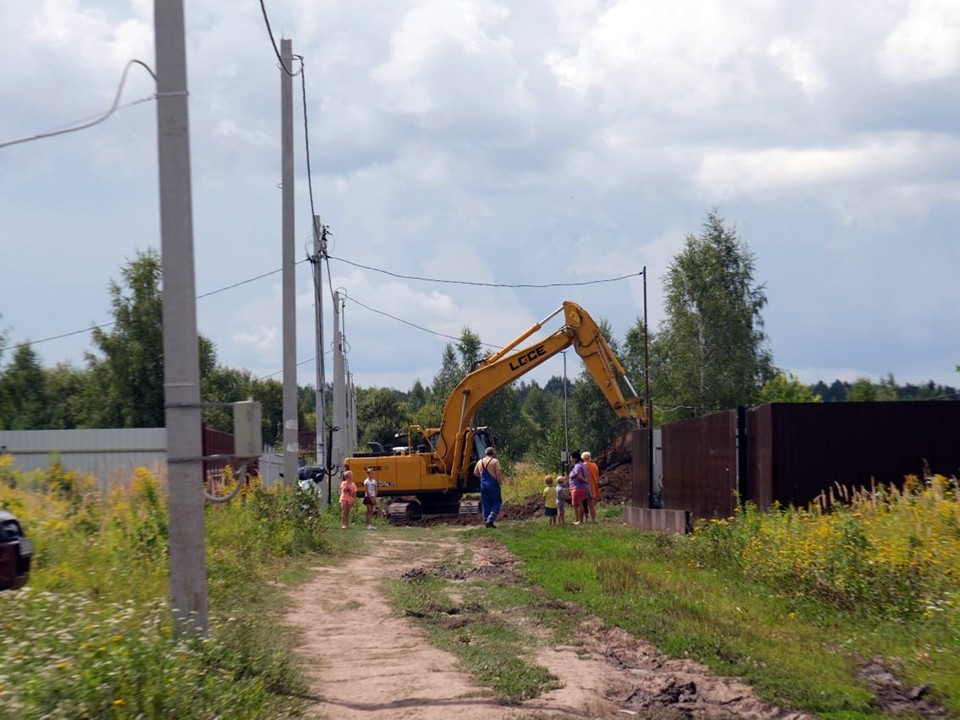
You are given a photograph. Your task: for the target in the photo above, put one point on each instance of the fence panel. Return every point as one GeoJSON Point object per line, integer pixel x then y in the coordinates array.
{"type": "Point", "coordinates": [700, 465]}
{"type": "Point", "coordinates": [811, 446]}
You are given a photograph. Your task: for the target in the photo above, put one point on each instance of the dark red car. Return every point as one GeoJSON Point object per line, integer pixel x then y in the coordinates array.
{"type": "Point", "coordinates": [15, 553]}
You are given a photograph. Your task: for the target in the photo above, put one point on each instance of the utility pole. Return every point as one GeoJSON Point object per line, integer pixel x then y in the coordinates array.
{"type": "Point", "coordinates": [651, 445]}
{"type": "Point", "coordinates": [566, 429]}
{"type": "Point", "coordinates": [339, 386]}
{"type": "Point", "coordinates": [319, 252]}
{"type": "Point", "coordinates": [181, 364]}
{"type": "Point", "coordinates": [291, 440]}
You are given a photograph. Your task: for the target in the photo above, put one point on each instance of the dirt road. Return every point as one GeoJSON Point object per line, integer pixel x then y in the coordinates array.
{"type": "Point", "coordinates": [363, 660]}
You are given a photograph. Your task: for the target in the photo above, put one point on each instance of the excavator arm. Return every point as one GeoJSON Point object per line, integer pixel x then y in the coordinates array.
{"type": "Point", "coordinates": [579, 331]}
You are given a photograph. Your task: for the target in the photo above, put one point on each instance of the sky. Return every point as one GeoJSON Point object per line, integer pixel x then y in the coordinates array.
{"type": "Point", "coordinates": [505, 142]}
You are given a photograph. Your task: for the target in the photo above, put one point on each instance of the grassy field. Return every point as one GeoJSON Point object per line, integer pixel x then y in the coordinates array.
{"type": "Point", "coordinates": [91, 634]}
{"type": "Point", "coordinates": [794, 601]}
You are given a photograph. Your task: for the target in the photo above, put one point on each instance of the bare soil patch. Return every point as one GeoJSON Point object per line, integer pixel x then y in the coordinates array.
{"type": "Point", "coordinates": [364, 661]}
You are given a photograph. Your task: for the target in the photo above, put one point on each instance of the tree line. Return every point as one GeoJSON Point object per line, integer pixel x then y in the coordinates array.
{"type": "Point", "coordinates": [709, 353]}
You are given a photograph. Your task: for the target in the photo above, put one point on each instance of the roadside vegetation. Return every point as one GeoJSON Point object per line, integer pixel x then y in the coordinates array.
{"type": "Point", "coordinates": [797, 602]}
{"type": "Point", "coordinates": [91, 634]}
{"type": "Point", "coordinates": [849, 609]}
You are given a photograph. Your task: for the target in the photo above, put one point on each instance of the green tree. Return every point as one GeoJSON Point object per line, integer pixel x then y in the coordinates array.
{"type": "Point", "coordinates": [711, 350]}
{"type": "Point", "coordinates": [417, 397]}
{"type": "Point", "coordinates": [887, 389]}
{"type": "Point", "coordinates": [65, 386]}
{"type": "Point", "coordinates": [381, 414]}
{"type": "Point", "coordinates": [269, 393]}
{"type": "Point", "coordinates": [222, 385]}
{"type": "Point", "coordinates": [448, 376]}
{"type": "Point", "coordinates": [27, 403]}
{"type": "Point", "coordinates": [126, 388]}
{"type": "Point", "coordinates": [785, 387]}
{"type": "Point", "coordinates": [862, 390]}
{"type": "Point", "coordinates": [592, 422]}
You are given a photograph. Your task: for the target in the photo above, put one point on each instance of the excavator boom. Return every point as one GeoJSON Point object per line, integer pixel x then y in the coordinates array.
{"type": "Point", "coordinates": [580, 332]}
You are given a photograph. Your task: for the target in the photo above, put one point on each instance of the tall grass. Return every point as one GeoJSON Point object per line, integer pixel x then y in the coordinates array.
{"type": "Point", "coordinates": [91, 634]}
{"type": "Point", "coordinates": [886, 552]}
{"type": "Point", "coordinates": [795, 601]}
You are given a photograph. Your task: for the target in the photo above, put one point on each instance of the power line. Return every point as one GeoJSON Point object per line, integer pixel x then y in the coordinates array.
{"type": "Point", "coordinates": [97, 120]}
{"type": "Point", "coordinates": [306, 141]}
{"type": "Point", "coordinates": [273, 42]}
{"type": "Point", "coordinates": [63, 335]}
{"type": "Point", "coordinates": [109, 324]}
{"type": "Point", "coordinates": [238, 284]}
{"type": "Point", "coordinates": [414, 325]}
{"type": "Point", "coordinates": [303, 362]}
{"type": "Point", "coordinates": [485, 284]}
{"type": "Point", "coordinates": [330, 285]}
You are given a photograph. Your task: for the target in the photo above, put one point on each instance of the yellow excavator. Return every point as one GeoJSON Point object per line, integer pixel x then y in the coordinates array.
{"type": "Point", "coordinates": [435, 468]}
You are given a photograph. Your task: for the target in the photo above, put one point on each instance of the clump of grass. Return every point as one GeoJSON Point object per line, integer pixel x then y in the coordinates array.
{"type": "Point", "coordinates": [490, 648]}
{"type": "Point", "coordinates": [92, 631]}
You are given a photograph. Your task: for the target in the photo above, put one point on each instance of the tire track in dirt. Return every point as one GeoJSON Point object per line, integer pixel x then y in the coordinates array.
{"type": "Point", "coordinates": [362, 660]}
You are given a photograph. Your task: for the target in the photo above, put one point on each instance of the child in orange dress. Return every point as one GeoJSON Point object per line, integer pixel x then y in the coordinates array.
{"type": "Point", "coordinates": [348, 494]}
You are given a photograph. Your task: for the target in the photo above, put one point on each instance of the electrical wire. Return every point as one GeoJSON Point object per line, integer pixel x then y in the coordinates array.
{"type": "Point", "coordinates": [485, 284]}
{"type": "Point", "coordinates": [109, 324]}
{"type": "Point", "coordinates": [17, 346]}
{"type": "Point", "coordinates": [273, 42]}
{"type": "Point", "coordinates": [414, 325]}
{"type": "Point", "coordinates": [303, 362]}
{"type": "Point", "coordinates": [332, 295]}
{"type": "Point", "coordinates": [238, 284]}
{"type": "Point", "coordinates": [306, 141]}
{"type": "Point", "coordinates": [97, 120]}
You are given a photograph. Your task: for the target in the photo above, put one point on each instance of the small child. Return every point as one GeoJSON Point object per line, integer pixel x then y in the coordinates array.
{"type": "Point", "coordinates": [560, 501]}
{"type": "Point", "coordinates": [550, 500]}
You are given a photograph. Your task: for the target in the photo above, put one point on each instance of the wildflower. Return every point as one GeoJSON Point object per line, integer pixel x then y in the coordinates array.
{"type": "Point", "coordinates": [119, 701]}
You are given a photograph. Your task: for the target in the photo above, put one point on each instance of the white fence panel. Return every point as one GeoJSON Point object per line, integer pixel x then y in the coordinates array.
{"type": "Point", "coordinates": [271, 465]}
{"type": "Point", "coordinates": [110, 454]}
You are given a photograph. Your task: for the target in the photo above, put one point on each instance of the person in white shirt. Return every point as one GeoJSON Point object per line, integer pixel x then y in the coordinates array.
{"type": "Point", "coordinates": [370, 497]}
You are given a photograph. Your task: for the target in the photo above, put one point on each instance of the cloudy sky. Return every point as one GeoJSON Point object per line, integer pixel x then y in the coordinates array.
{"type": "Point", "coordinates": [498, 141]}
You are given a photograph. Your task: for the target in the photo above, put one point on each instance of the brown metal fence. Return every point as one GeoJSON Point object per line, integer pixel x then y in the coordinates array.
{"type": "Point", "coordinates": [790, 452]}
{"type": "Point", "coordinates": [798, 450]}
{"type": "Point", "coordinates": [700, 465]}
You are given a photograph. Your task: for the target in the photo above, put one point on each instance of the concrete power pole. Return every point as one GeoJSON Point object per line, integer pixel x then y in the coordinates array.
{"type": "Point", "coordinates": [339, 388]}
{"type": "Point", "coordinates": [351, 415]}
{"type": "Point", "coordinates": [181, 364]}
{"type": "Point", "coordinates": [319, 251]}
{"type": "Point", "coordinates": [291, 440]}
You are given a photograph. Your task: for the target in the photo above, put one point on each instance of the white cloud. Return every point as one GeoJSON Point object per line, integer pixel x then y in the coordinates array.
{"type": "Point", "coordinates": [925, 44]}
{"type": "Point", "coordinates": [229, 130]}
{"type": "Point", "coordinates": [448, 59]}
{"type": "Point", "coordinates": [797, 61]}
{"type": "Point", "coordinates": [873, 160]}
{"type": "Point", "coordinates": [684, 56]}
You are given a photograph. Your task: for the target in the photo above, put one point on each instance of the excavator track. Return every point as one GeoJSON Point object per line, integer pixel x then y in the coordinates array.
{"type": "Point", "coordinates": [399, 512]}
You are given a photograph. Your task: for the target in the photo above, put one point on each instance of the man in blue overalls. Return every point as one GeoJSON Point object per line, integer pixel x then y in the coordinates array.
{"type": "Point", "coordinates": [488, 470]}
